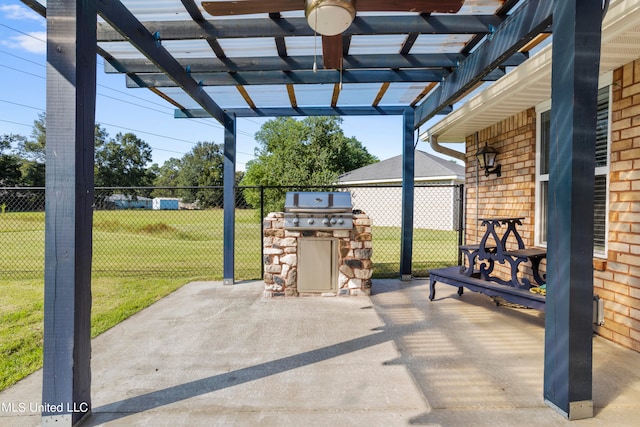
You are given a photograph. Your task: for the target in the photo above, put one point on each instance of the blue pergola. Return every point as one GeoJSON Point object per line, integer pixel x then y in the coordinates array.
{"type": "Point", "coordinates": [409, 64]}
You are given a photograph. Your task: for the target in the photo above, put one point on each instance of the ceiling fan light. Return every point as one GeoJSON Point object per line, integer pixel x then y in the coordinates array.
{"type": "Point", "coordinates": [330, 17]}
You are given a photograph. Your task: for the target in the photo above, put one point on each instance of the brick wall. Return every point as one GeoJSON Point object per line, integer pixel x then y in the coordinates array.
{"type": "Point", "coordinates": [617, 280]}
{"type": "Point", "coordinates": [513, 193]}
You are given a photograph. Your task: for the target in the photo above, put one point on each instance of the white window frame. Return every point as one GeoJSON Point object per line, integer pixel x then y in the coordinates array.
{"type": "Point", "coordinates": [605, 80]}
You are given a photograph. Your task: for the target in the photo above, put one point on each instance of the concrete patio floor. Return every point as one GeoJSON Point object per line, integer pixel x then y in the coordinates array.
{"type": "Point", "coordinates": [214, 355]}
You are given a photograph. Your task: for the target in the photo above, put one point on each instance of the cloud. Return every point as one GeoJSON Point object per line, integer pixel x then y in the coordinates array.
{"type": "Point", "coordinates": [17, 12]}
{"type": "Point", "coordinates": [34, 42]}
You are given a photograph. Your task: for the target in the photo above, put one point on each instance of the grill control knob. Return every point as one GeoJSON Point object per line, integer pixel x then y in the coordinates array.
{"type": "Point", "coordinates": [295, 221]}
{"type": "Point", "coordinates": [325, 221]}
{"type": "Point", "coordinates": [310, 221]}
{"type": "Point", "coordinates": [341, 221]}
{"type": "Point", "coordinates": [333, 221]}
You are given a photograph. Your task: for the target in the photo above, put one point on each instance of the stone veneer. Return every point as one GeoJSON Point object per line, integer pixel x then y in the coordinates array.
{"type": "Point", "coordinates": [281, 259]}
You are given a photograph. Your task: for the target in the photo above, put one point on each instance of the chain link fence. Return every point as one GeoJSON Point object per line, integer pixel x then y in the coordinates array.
{"type": "Point", "coordinates": [153, 232]}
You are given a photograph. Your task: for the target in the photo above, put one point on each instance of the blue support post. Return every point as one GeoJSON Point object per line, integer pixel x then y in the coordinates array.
{"type": "Point", "coordinates": [408, 175]}
{"type": "Point", "coordinates": [71, 95]}
{"type": "Point", "coordinates": [569, 301]}
{"type": "Point", "coordinates": [229, 198]}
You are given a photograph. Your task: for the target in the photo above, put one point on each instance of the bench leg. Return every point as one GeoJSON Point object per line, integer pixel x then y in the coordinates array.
{"type": "Point", "coordinates": [432, 289]}
{"type": "Point", "coordinates": [470, 256]}
{"type": "Point", "coordinates": [460, 290]}
{"type": "Point", "coordinates": [535, 266]}
{"type": "Point", "coordinates": [518, 283]}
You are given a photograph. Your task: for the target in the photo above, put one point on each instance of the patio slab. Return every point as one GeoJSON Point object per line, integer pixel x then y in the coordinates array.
{"type": "Point", "coordinates": [215, 355]}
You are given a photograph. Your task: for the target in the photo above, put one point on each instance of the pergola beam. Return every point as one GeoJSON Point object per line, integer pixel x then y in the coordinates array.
{"type": "Point", "coordinates": [299, 111]}
{"type": "Point", "coordinates": [288, 27]}
{"type": "Point", "coordinates": [229, 200]}
{"type": "Point", "coordinates": [408, 196]}
{"type": "Point", "coordinates": [568, 357]}
{"type": "Point", "coordinates": [300, 77]}
{"type": "Point", "coordinates": [119, 17]}
{"type": "Point", "coordinates": [71, 100]}
{"type": "Point", "coordinates": [526, 22]}
{"type": "Point", "coordinates": [292, 63]}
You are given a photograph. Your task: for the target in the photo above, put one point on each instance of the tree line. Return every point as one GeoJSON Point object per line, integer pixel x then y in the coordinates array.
{"type": "Point", "coordinates": [308, 152]}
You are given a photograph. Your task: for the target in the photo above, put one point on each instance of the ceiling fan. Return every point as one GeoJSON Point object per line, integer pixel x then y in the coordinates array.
{"type": "Point", "coordinates": [330, 17]}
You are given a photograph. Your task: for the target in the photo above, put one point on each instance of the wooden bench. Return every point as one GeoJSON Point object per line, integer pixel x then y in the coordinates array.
{"type": "Point", "coordinates": [514, 294]}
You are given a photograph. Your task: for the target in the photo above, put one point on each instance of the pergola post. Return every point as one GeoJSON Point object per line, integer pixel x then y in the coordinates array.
{"type": "Point", "coordinates": [569, 302]}
{"type": "Point", "coordinates": [229, 198]}
{"type": "Point", "coordinates": [408, 176]}
{"type": "Point", "coordinates": [70, 121]}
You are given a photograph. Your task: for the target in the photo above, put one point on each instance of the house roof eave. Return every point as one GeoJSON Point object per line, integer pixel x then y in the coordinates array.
{"type": "Point", "coordinates": [530, 83]}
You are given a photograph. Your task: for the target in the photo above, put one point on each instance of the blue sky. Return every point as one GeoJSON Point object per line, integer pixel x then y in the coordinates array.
{"type": "Point", "coordinates": [118, 109]}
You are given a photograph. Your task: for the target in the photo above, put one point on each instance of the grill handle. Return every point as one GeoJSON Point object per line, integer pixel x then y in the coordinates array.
{"type": "Point", "coordinates": [317, 211]}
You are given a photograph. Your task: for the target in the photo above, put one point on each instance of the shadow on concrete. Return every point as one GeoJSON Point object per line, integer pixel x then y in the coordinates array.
{"type": "Point", "coordinates": [470, 360]}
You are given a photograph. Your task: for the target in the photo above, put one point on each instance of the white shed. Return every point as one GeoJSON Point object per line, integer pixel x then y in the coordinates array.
{"type": "Point", "coordinates": [165, 203]}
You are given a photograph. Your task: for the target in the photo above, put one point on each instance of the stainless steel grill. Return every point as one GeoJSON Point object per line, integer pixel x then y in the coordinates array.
{"type": "Point", "coordinates": [318, 210]}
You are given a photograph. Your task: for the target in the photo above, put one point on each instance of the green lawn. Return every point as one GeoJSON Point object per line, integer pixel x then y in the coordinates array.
{"type": "Point", "coordinates": [431, 249]}
{"type": "Point", "coordinates": [140, 257]}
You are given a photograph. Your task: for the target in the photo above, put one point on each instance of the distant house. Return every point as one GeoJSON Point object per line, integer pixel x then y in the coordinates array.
{"type": "Point", "coordinates": [125, 201]}
{"type": "Point", "coordinates": [436, 197]}
{"type": "Point", "coordinates": [166, 203]}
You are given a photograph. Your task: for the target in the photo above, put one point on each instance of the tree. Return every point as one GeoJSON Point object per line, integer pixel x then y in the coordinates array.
{"type": "Point", "coordinates": [32, 151]}
{"type": "Point", "coordinates": [10, 174]}
{"type": "Point", "coordinates": [308, 152]}
{"type": "Point", "coordinates": [167, 175]}
{"type": "Point", "coordinates": [32, 154]}
{"type": "Point", "coordinates": [202, 167]}
{"type": "Point", "coordinates": [122, 161]}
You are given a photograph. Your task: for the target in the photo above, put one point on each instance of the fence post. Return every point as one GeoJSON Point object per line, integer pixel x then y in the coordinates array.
{"type": "Point", "coordinates": [461, 223]}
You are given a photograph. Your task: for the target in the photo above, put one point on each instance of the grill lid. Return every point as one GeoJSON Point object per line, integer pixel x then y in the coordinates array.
{"type": "Point", "coordinates": [317, 201]}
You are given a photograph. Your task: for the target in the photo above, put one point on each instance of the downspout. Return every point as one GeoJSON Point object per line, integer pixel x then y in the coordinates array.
{"type": "Point", "coordinates": [433, 140]}
{"type": "Point", "coordinates": [476, 140]}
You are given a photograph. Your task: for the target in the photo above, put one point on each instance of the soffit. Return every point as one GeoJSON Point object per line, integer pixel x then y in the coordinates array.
{"type": "Point", "coordinates": [530, 83]}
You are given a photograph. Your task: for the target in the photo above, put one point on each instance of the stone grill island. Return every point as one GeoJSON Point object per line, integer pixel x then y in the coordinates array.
{"type": "Point", "coordinates": [318, 246]}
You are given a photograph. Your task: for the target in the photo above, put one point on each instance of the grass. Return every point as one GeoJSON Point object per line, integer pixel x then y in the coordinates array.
{"type": "Point", "coordinates": [142, 256]}
{"type": "Point", "coordinates": [21, 316]}
{"type": "Point", "coordinates": [431, 249]}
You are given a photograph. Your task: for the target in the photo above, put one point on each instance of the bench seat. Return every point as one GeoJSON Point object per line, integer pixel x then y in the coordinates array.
{"type": "Point", "coordinates": [452, 276]}
{"type": "Point", "coordinates": [528, 253]}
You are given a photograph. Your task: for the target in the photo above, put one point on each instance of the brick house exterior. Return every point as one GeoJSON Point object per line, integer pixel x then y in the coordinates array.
{"type": "Point", "coordinates": [616, 275]}
{"type": "Point", "coordinates": [617, 279]}
{"type": "Point", "coordinates": [512, 194]}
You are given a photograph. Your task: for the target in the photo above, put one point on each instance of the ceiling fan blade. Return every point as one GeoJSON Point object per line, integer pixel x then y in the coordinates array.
{"type": "Point", "coordinates": [245, 7]}
{"type": "Point", "coordinates": [332, 51]}
{"type": "Point", "coordinates": [422, 6]}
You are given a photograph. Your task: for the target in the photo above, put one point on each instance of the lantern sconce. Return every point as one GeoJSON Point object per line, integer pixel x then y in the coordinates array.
{"type": "Point", "coordinates": [487, 161]}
